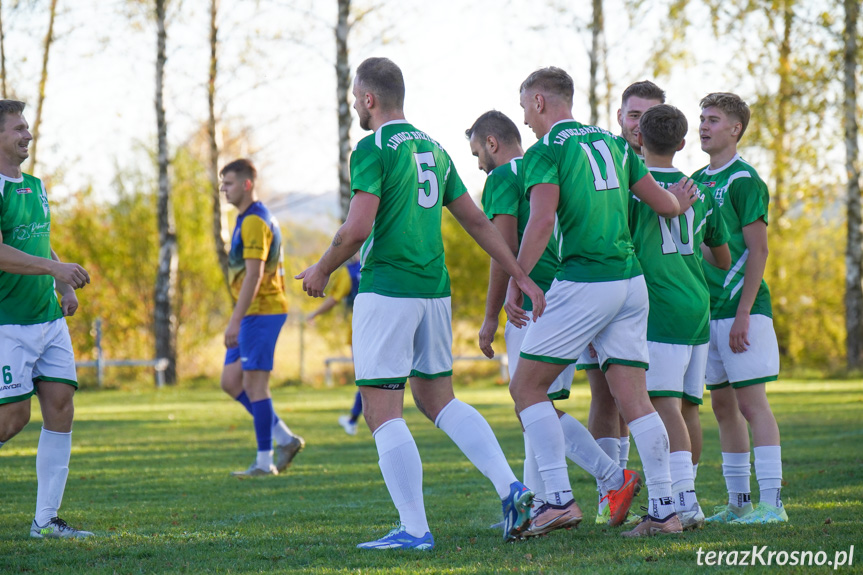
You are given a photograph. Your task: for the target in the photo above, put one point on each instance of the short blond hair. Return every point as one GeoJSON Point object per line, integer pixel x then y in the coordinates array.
{"type": "Point", "coordinates": [551, 80]}
{"type": "Point", "coordinates": [732, 105]}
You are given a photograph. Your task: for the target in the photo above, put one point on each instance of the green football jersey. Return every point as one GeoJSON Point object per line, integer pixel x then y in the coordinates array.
{"type": "Point", "coordinates": [669, 251]}
{"type": "Point", "coordinates": [742, 199]}
{"type": "Point", "coordinates": [25, 221]}
{"type": "Point", "coordinates": [503, 194]}
{"type": "Point", "coordinates": [414, 178]}
{"type": "Point", "coordinates": [594, 171]}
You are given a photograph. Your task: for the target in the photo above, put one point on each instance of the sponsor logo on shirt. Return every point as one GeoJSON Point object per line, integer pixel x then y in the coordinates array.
{"type": "Point", "coordinates": [708, 184]}
{"type": "Point", "coordinates": [24, 191]}
{"type": "Point", "coordinates": [34, 230]}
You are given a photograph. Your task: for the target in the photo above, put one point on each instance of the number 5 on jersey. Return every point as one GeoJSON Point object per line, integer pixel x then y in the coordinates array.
{"type": "Point", "coordinates": [426, 199]}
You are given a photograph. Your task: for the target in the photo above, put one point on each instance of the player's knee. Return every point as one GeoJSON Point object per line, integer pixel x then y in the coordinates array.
{"type": "Point", "coordinates": [754, 411]}
{"type": "Point", "coordinates": [12, 423]}
{"type": "Point", "coordinates": [58, 415]}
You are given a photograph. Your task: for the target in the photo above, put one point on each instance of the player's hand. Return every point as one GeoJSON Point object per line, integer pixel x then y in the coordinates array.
{"type": "Point", "coordinates": [738, 338]}
{"type": "Point", "coordinates": [70, 274]}
{"type": "Point", "coordinates": [686, 193]}
{"type": "Point", "coordinates": [232, 334]}
{"type": "Point", "coordinates": [314, 280]}
{"type": "Point", "coordinates": [513, 305]}
{"type": "Point", "coordinates": [535, 293]}
{"type": "Point", "coordinates": [69, 303]}
{"type": "Point", "coordinates": [486, 336]}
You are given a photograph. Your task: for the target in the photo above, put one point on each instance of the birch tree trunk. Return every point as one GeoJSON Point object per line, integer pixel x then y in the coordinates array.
{"type": "Point", "coordinates": [219, 242]}
{"type": "Point", "coordinates": [596, 56]}
{"type": "Point", "coordinates": [43, 79]}
{"type": "Point", "coordinates": [2, 55]}
{"type": "Point", "coordinates": [854, 248]}
{"type": "Point", "coordinates": [165, 319]}
{"type": "Point", "coordinates": [343, 88]}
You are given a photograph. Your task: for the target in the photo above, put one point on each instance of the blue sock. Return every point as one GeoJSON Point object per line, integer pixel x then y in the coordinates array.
{"type": "Point", "coordinates": [262, 412]}
{"type": "Point", "coordinates": [244, 401]}
{"type": "Point", "coordinates": [357, 409]}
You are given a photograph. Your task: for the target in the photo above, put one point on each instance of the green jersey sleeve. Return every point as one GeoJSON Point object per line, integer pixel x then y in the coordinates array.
{"type": "Point", "coordinates": [540, 167]}
{"type": "Point", "coordinates": [749, 197]}
{"type": "Point", "coordinates": [366, 169]}
{"type": "Point", "coordinates": [453, 186]}
{"type": "Point", "coordinates": [633, 164]}
{"type": "Point", "coordinates": [500, 195]}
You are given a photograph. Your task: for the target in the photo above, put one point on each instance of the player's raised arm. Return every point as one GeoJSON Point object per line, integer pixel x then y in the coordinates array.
{"type": "Point", "coordinates": [668, 203]}
{"type": "Point", "coordinates": [346, 242]}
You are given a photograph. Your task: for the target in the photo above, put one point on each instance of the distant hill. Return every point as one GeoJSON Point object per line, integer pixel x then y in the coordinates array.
{"type": "Point", "coordinates": [314, 211]}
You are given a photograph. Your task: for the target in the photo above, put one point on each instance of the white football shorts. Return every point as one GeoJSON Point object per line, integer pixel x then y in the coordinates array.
{"type": "Point", "coordinates": [758, 364]}
{"type": "Point", "coordinates": [395, 338]}
{"type": "Point", "coordinates": [611, 315]}
{"type": "Point", "coordinates": [677, 371]}
{"type": "Point", "coordinates": [33, 353]}
{"type": "Point", "coordinates": [513, 337]}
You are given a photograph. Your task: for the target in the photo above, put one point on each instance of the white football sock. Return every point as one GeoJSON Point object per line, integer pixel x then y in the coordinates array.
{"type": "Point", "coordinates": [682, 482]}
{"type": "Point", "coordinates": [736, 470]}
{"type": "Point", "coordinates": [532, 478]}
{"type": "Point", "coordinates": [585, 452]}
{"type": "Point", "coordinates": [651, 439]}
{"type": "Point", "coordinates": [680, 466]}
{"type": "Point", "coordinates": [624, 450]}
{"type": "Point", "coordinates": [473, 435]}
{"type": "Point", "coordinates": [402, 468]}
{"type": "Point", "coordinates": [611, 447]}
{"type": "Point", "coordinates": [768, 472]}
{"type": "Point", "coordinates": [546, 437]}
{"type": "Point", "coordinates": [52, 469]}
{"type": "Point", "coordinates": [694, 471]}
{"type": "Point", "coordinates": [265, 459]}
{"type": "Point", "coordinates": [282, 433]}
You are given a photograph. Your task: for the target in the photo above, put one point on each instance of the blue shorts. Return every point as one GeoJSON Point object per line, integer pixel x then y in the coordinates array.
{"type": "Point", "coordinates": [258, 335]}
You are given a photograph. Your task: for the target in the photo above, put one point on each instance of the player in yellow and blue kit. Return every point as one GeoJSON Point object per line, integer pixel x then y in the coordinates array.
{"type": "Point", "coordinates": [260, 310]}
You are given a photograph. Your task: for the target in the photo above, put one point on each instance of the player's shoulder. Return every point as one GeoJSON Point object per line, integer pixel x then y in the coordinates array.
{"type": "Point", "coordinates": [259, 210]}
{"type": "Point", "coordinates": [367, 143]}
{"type": "Point", "coordinates": [508, 172]}
{"type": "Point", "coordinates": [742, 168]}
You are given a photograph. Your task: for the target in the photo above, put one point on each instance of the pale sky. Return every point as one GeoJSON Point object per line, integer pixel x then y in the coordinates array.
{"type": "Point", "coordinates": [459, 59]}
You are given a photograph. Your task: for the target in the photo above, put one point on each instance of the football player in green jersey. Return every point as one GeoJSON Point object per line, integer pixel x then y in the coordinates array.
{"type": "Point", "coordinates": [604, 421]}
{"type": "Point", "coordinates": [579, 179]}
{"type": "Point", "coordinates": [670, 253]}
{"type": "Point", "coordinates": [401, 178]}
{"type": "Point", "coordinates": [496, 143]}
{"type": "Point", "coordinates": [35, 348]}
{"type": "Point", "coordinates": [744, 354]}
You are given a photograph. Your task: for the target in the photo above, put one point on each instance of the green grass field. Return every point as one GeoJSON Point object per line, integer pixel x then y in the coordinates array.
{"type": "Point", "coordinates": [150, 475]}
